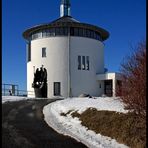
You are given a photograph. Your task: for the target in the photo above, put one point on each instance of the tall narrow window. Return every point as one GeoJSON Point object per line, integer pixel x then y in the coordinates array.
{"type": "Point", "coordinates": [80, 32]}
{"type": "Point", "coordinates": [87, 33]}
{"type": "Point", "coordinates": [79, 62]}
{"type": "Point", "coordinates": [83, 62]}
{"type": "Point", "coordinates": [44, 52]}
{"type": "Point", "coordinates": [76, 32]}
{"type": "Point", "coordinates": [48, 33]}
{"type": "Point", "coordinates": [72, 31]}
{"type": "Point", "coordinates": [39, 34]}
{"type": "Point", "coordinates": [57, 31]}
{"type": "Point", "coordinates": [44, 33]}
{"type": "Point", "coordinates": [29, 51]}
{"type": "Point", "coordinates": [65, 31]}
{"type": "Point", "coordinates": [52, 32]}
{"type": "Point", "coordinates": [87, 62]}
{"type": "Point", "coordinates": [61, 31]}
{"type": "Point", "coordinates": [57, 88]}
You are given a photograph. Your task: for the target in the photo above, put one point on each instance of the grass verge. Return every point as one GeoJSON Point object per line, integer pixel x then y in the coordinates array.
{"type": "Point", "coordinates": [125, 128]}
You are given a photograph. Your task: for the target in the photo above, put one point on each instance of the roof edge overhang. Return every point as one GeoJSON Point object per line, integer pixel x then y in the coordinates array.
{"type": "Point", "coordinates": [109, 76]}
{"type": "Point", "coordinates": [104, 34]}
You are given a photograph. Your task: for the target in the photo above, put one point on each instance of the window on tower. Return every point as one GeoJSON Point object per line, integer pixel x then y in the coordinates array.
{"type": "Point", "coordinates": [64, 31]}
{"type": "Point", "coordinates": [47, 34]}
{"type": "Point", "coordinates": [79, 62]}
{"type": "Point", "coordinates": [87, 33]}
{"type": "Point", "coordinates": [44, 33]}
{"type": "Point", "coordinates": [87, 62]}
{"type": "Point", "coordinates": [83, 62]}
{"type": "Point", "coordinates": [57, 31]}
{"type": "Point", "coordinates": [72, 31]}
{"type": "Point", "coordinates": [43, 52]}
{"type": "Point", "coordinates": [57, 88]}
{"type": "Point", "coordinates": [80, 32]}
{"type": "Point", "coordinates": [76, 32]}
{"type": "Point", "coordinates": [29, 51]}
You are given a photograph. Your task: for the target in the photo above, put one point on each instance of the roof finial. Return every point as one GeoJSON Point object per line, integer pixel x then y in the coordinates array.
{"type": "Point", "coordinates": [65, 8]}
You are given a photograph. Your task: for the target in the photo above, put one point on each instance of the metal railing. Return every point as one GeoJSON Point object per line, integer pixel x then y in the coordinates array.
{"type": "Point", "coordinates": [13, 90]}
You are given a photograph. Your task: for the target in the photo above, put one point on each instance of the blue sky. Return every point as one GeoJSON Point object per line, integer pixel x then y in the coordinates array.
{"type": "Point", "coordinates": [124, 19]}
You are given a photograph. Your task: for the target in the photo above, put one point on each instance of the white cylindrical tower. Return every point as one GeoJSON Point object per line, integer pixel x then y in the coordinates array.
{"type": "Point", "coordinates": [72, 53]}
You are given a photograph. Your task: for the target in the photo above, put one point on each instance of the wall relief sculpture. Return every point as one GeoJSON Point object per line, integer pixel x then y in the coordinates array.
{"type": "Point", "coordinates": [40, 82]}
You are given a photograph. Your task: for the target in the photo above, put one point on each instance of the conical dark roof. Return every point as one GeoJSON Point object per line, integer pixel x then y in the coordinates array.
{"type": "Point", "coordinates": [65, 19]}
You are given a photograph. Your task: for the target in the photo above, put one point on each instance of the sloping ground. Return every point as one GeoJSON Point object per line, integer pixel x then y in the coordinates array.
{"type": "Point", "coordinates": [125, 128]}
{"type": "Point", "coordinates": [62, 121]}
{"type": "Point", "coordinates": [23, 126]}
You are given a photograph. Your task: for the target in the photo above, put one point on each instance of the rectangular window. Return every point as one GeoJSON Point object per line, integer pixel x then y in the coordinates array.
{"type": "Point", "coordinates": [87, 62]}
{"type": "Point", "coordinates": [87, 33]}
{"type": "Point", "coordinates": [39, 34]}
{"type": "Point", "coordinates": [84, 32]}
{"type": "Point", "coordinates": [48, 32]}
{"type": "Point", "coordinates": [57, 31]}
{"type": "Point", "coordinates": [100, 85]}
{"type": "Point", "coordinates": [29, 51]}
{"type": "Point", "coordinates": [80, 32]}
{"type": "Point", "coordinates": [57, 89]}
{"type": "Point", "coordinates": [98, 36]}
{"type": "Point", "coordinates": [65, 31]}
{"type": "Point", "coordinates": [92, 34]}
{"type": "Point", "coordinates": [44, 52]}
{"type": "Point", "coordinates": [79, 62]}
{"type": "Point", "coordinates": [44, 33]}
{"type": "Point", "coordinates": [76, 32]}
{"type": "Point", "coordinates": [72, 31]}
{"type": "Point", "coordinates": [34, 36]}
{"type": "Point", "coordinates": [52, 31]}
{"type": "Point", "coordinates": [83, 62]}
{"type": "Point", "coordinates": [61, 31]}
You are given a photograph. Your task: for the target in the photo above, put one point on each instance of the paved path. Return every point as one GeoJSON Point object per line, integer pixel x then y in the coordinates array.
{"type": "Point", "coordinates": [23, 126]}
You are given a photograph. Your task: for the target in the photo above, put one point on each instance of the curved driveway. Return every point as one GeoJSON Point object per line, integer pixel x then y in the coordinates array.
{"type": "Point", "coordinates": [23, 126]}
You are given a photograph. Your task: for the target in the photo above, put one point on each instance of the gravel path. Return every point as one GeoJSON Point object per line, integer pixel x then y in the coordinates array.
{"type": "Point", "coordinates": [23, 126]}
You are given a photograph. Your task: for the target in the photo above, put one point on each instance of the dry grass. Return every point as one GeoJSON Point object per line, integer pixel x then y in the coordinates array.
{"type": "Point", "coordinates": [65, 114]}
{"type": "Point", "coordinates": [125, 128]}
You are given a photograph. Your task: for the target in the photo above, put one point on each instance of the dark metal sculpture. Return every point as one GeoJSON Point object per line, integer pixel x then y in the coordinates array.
{"type": "Point", "coordinates": [40, 83]}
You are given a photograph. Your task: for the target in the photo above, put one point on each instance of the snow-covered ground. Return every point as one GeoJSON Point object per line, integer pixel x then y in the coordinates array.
{"type": "Point", "coordinates": [72, 126]}
{"type": "Point", "coordinates": [12, 98]}
{"type": "Point", "coordinates": [18, 98]}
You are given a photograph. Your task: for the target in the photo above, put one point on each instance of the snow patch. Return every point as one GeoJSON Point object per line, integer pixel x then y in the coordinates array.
{"type": "Point", "coordinates": [72, 126]}
{"type": "Point", "coordinates": [12, 98]}
{"type": "Point", "coordinates": [17, 98]}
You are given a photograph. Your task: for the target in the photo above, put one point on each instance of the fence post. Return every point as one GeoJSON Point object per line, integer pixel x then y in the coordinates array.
{"type": "Point", "coordinates": [13, 89]}
{"type": "Point", "coordinates": [17, 90]}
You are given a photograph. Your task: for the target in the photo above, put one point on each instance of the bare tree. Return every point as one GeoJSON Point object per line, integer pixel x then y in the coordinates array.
{"type": "Point", "coordinates": [133, 72]}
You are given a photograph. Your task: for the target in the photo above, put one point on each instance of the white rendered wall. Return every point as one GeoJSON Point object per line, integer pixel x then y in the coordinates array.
{"type": "Point", "coordinates": [56, 62]}
{"type": "Point", "coordinates": [83, 81]}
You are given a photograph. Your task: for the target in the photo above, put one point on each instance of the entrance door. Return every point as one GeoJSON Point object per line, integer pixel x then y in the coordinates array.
{"type": "Point", "coordinates": [108, 88]}
{"type": "Point", "coordinates": [57, 89]}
